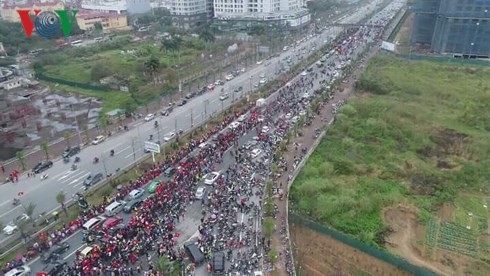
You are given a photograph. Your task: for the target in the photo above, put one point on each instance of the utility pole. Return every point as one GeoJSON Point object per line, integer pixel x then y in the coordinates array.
{"type": "Point", "coordinates": [132, 145]}
{"type": "Point", "coordinates": [192, 118]}
{"type": "Point", "coordinates": [176, 125]}
{"type": "Point", "coordinates": [158, 129]}
{"type": "Point", "coordinates": [206, 102]}
{"type": "Point", "coordinates": [103, 163]}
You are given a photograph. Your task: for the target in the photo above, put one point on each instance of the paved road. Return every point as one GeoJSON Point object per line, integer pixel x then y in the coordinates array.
{"type": "Point", "coordinates": [129, 146]}
{"type": "Point", "coordinates": [188, 227]}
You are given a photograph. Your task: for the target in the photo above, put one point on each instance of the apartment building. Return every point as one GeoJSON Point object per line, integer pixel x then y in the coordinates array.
{"type": "Point", "coordinates": [285, 12]}
{"type": "Point", "coordinates": [459, 27]}
{"type": "Point", "coordinates": [190, 13]}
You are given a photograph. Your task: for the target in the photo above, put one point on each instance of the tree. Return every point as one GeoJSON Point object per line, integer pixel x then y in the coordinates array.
{"type": "Point", "coordinates": [207, 36]}
{"type": "Point", "coordinates": [67, 137]}
{"type": "Point", "coordinates": [273, 255]}
{"type": "Point", "coordinates": [22, 160]}
{"type": "Point", "coordinates": [163, 265]}
{"type": "Point", "coordinates": [269, 226]}
{"type": "Point", "coordinates": [21, 226]}
{"type": "Point", "coordinates": [60, 198]}
{"type": "Point", "coordinates": [45, 147]}
{"type": "Point", "coordinates": [30, 210]}
{"type": "Point", "coordinates": [152, 65]}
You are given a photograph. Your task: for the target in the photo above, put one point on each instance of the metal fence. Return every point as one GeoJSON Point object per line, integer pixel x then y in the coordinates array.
{"type": "Point", "coordinates": [89, 86]}
{"type": "Point", "coordinates": [372, 251]}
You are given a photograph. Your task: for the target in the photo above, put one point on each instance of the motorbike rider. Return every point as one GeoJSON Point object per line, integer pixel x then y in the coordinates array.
{"type": "Point", "coordinates": [96, 160]}
{"type": "Point", "coordinates": [77, 159]}
{"type": "Point", "coordinates": [73, 167]}
{"type": "Point", "coordinates": [112, 152]}
{"type": "Point", "coordinates": [151, 137]}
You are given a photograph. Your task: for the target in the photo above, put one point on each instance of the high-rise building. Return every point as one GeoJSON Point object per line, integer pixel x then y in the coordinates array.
{"type": "Point", "coordinates": [460, 27]}
{"type": "Point", "coordinates": [190, 13]}
{"type": "Point", "coordinates": [285, 12]}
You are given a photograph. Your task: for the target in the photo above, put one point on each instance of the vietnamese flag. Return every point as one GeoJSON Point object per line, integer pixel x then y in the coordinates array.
{"type": "Point", "coordinates": [42, 274]}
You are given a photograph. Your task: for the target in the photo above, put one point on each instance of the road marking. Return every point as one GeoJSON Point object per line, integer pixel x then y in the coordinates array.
{"type": "Point", "coordinates": [11, 210]}
{"type": "Point", "coordinates": [131, 154]}
{"type": "Point", "coordinates": [124, 149]}
{"type": "Point", "coordinates": [73, 176]}
{"type": "Point", "coordinates": [115, 146]}
{"type": "Point", "coordinates": [78, 179]}
{"type": "Point", "coordinates": [66, 175]}
{"type": "Point", "coordinates": [69, 255]}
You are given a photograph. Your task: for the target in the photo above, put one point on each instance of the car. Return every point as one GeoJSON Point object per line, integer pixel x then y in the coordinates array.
{"type": "Point", "coordinates": [182, 102]}
{"type": "Point", "coordinates": [169, 171]}
{"type": "Point", "coordinates": [69, 152]}
{"type": "Point", "coordinates": [250, 144]}
{"type": "Point", "coordinates": [255, 153]}
{"type": "Point", "coordinates": [167, 111]}
{"type": "Point", "coordinates": [234, 125]}
{"type": "Point", "coordinates": [265, 129]}
{"type": "Point", "coordinates": [42, 166]}
{"type": "Point", "coordinates": [149, 117]}
{"type": "Point", "coordinates": [219, 82]}
{"type": "Point", "coordinates": [242, 118]}
{"type": "Point", "coordinates": [260, 118]}
{"type": "Point", "coordinates": [92, 180]}
{"type": "Point", "coordinates": [136, 193]}
{"type": "Point", "coordinates": [55, 269]}
{"type": "Point", "coordinates": [224, 96]}
{"type": "Point", "coordinates": [260, 62]}
{"type": "Point", "coordinates": [131, 205]}
{"type": "Point", "coordinates": [304, 73]}
{"type": "Point", "coordinates": [190, 95]}
{"type": "Point", "coordinates": [211, 86]}
{"type": "Point", "coordinates": [169, 136]}
{"type": "Point", "coordinates": [263, 80]}
{"type": "Point", "coordinates": [153, 186]}
{"type": "Point", "coordinates": [229, 77]}
{"type": "Point", "coordinates": [200, 192]}
{"type": "Point", "coordinates": [11, 227]}
{"type": "Point", "coordinates": [55, 252]}
{"type": "Point", "coordinates": [218, 263]}
{"type": "Point", "coordinates": [238, 89]}
{"type": "Point", "coordinates": [19, 271]}
{"type": "Point", "coordinates": [210, 178]}
{"type": "Point", "coordinates": [111, 222]}
{"type": "Point", "coordinates": [99, 139]}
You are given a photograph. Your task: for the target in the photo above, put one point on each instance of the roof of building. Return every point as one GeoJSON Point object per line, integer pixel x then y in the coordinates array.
{"type": "Point", "coordinates": [90, 14]}
{"type": "Point", "coordinates": [29, 6]}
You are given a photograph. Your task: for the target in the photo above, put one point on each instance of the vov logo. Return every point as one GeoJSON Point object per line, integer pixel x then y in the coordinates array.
{"type": "Point", "coordinates": [47, 23]}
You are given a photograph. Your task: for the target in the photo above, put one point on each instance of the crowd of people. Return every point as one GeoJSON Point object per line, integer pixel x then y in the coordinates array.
{"type": "Point", "coordinates": [239, 190]}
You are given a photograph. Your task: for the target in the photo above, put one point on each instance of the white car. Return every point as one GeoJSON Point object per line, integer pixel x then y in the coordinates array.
{"type": "Point", "coordinates": [229, 77]}
{"type": "Point", "coordinates": [223, 96]}
{"type": "Point", "coordinates": [19, 271]}
{"type": "Point", "coordinates": [242, 118]}
{"type": "Point", "coordinates": [210, 178]}
{"type": "Point", "coordinates": [200, 192]}
{"type": "Point", "coordinates": [99, 139]}
{"type": "Point", "coordinates": [304, 73]}
{"type": "Point", "coordinates": [255, 153]}
{"type": "Point", "coordinates": [149, 117]}
{"type": "Point", "coordinates": [263, 80]}
{"type": "Point", "coordinates": [265, 129]}
{"type": "Point", "coordinates": [136, 193]}
{"type": "Point", "coordinates": [211, 86]}
{"type": "Point", "coordinates": [234, 125]}
{"type": "Point", "coordinates": [259, 62]}
{"type": "Point", "coordinates": [12, 226]}
{"type": "Point", "coordinates": [169, 136]}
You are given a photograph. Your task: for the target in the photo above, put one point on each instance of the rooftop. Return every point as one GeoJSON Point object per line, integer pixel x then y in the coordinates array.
{"type": "Point", "coordinates": [29, 6]}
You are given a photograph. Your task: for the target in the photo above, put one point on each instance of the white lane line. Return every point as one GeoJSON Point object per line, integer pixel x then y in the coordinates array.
{"type": "Point", "coordinates": [69, 255]}
{"type": "Point", "coordinates": [124, 149]}
{"type": "Point", "coordinates": [215, 100]}
{"type": "Point", "coordinates": [66, 175]}
{"type": "Point", "coordinates": [78, 179]}
{"type": "Point", "coordinates": [10, 211]}
{"type": "Point", "coordinates": [73, 176]}
{"type": "Point", "coordinates": [131, 154]}
{"type": "Point", "coordinates": [115, 146]}
{"type": "Point", "coordinates": [58, 175]}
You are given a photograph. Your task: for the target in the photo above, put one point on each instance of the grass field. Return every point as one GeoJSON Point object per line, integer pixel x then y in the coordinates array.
{"type": "Point", "coordinates": [419, 136]}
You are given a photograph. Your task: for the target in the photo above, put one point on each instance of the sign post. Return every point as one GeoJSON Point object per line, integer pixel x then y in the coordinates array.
{"type": "Point", "coordinates": [153, 148]}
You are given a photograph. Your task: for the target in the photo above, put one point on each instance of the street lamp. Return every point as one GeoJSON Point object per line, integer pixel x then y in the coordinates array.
{"type": "Point", "coordinates": [132, 145]}
{"type": "Point", "coordinates": [192, 118]}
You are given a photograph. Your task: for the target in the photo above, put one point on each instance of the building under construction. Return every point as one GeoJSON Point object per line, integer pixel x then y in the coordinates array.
{"type": "Point", "coordinates": [459, 27]}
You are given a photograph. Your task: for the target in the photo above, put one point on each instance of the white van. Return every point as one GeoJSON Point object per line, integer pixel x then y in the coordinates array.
{"type": "Point", "coordinates": [91, 223]}
{"type": "Point", "coordinates": [114, 208]}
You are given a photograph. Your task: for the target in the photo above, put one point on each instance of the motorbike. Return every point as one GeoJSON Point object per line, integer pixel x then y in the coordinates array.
{"type": "Point", "coordinates": [151, 137]}
{"type": "Point", "coordinates": [66, 160]}
{"type": "Point", "coordinates": [156, 124]}
{"type": "Point", "coordinates": [73, 167]}
{"type": "Point", "coordinates": [77, 159]}
{"type": "Point", "coordinates": [16, 202]}
{"type": "Point", "coordinates": [112, 152]}
{"type": "Point", "coordinates": [44, 176]}
{"type": "Point", "coordinates": [96, 160]}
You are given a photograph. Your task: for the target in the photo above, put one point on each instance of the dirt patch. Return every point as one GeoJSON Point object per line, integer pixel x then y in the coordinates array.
{"type": "Point", "coordinates": [404, 223]}
{"type": "Point", "coordinates": [446, 212]}
{"type": "Point", "coordinates": [319, 254]}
